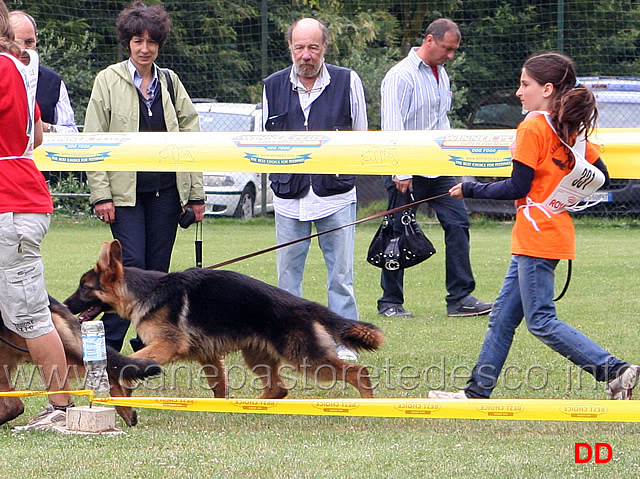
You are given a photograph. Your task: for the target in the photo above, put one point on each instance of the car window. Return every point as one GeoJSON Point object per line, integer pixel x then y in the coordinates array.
{"type": "Point", "coordinates": [618, 115]}
{"type": "Point", "coordinates": [500, 110]}
{"type": "Point", "coordinates": [618, 100]}
{"type": "Point", "coordinates": [497, 115]}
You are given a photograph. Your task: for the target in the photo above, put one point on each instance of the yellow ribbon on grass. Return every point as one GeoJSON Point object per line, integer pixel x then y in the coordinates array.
{"type": "Point", "coordinates": [417, 408]}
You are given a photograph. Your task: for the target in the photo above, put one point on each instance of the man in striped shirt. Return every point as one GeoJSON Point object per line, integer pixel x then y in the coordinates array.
{"type": "Point", "coordinates": [416, 95]}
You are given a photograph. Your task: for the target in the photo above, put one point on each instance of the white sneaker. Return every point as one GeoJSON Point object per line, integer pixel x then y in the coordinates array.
{"type": "Point", "coordinates": [622, 386]}
{"type": "Point", "coordinates": [48, 419]}
{"type": "Point", "coordinates": [446, 395]}
{"type": "Point", "coordinates": [345, 353]}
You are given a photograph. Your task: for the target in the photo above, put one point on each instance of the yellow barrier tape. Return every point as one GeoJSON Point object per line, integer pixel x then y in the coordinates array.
{"type": "Point", "coordinates": [500, 409]}
{"type": "Point", "coordinates": [505, 409]}
{"type": "Point", "coordinates": [437, 152]}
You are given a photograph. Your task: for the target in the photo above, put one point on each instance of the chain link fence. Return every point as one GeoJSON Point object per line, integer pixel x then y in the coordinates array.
{"type": "Point", "coordinates": [222, 50]}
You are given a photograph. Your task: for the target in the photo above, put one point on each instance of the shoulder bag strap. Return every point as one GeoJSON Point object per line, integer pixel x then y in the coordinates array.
{"type": "Point", "coordinates": [172, 93]}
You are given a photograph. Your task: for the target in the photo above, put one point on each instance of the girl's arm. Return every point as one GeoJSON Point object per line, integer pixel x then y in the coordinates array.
{"type": "Point", "coordinates": [512, 188]}
{"type": "Point", "coordinates": [602, 167]}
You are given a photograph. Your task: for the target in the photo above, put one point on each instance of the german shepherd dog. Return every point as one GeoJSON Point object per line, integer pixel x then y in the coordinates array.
{"type": "Point", "coordinates": [119, 367]}
{"type": "Point", "coordinates": [202, 314]}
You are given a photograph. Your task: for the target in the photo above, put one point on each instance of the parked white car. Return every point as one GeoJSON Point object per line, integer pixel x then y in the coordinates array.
{"type": "Point", "coordinates": [231, 193]}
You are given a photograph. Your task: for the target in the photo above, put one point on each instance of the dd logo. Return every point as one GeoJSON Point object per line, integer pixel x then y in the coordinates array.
{"type": "Point", "coordinates": [590, 452]}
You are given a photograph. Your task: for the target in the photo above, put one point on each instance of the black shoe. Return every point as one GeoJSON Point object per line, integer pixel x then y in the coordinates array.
{"type": "Point", "coordinates": [395, 311]}
{"type": "Point", "coordinates": [136, 344]}
{"type": "Point", "coordinates": [469, 306]}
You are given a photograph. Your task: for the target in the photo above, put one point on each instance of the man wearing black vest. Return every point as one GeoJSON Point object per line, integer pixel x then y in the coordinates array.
{"type": "Point", "coordinates": [312, 95]}
{"type": "Point", "coordinates": [52, 95]}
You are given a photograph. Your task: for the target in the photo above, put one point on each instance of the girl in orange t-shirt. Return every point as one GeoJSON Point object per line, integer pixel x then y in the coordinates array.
{"type": "Point", "coordinates": [540, 237]}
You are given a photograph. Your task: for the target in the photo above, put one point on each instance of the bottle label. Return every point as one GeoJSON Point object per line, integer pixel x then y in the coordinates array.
{"type": "Point", "coordinates": [94, 347]}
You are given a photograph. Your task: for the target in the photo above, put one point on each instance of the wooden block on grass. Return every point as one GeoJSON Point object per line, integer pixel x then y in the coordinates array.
{"type": "Point", "coordinates": [91, 419]}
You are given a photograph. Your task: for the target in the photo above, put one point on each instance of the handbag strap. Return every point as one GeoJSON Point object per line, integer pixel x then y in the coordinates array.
{"type": "Point", "coordinates": [289, 243]}
{"type": "Point", "coordinates": [394, 198]}
{"type": "Point", "coordinates": [405, 208]}
{"type": "Point", "coordinates": [172, 93]}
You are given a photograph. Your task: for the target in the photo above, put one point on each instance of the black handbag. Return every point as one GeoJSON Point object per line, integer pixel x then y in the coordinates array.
{"type": "Point", "coordinates": [390, 251]}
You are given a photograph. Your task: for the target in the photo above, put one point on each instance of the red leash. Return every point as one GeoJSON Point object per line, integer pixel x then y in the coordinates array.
{"type": "Point", "coordinates": [368, 218]}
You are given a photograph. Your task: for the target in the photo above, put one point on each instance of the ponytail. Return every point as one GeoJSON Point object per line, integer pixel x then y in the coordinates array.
{"type": "Point", "coordinates": [577, 113]}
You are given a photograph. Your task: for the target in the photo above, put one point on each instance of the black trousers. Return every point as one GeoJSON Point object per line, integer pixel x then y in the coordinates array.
{"type": "Point", "coordinates": [454, 219]}
{"type": "Point", "coordinates": [147, 232]}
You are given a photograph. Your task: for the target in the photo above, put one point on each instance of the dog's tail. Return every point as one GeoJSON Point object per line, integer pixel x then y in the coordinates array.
{"type": "Point", "coordinates": [359, 335]}
{"type": "Point", "coordinates": [125, 369]}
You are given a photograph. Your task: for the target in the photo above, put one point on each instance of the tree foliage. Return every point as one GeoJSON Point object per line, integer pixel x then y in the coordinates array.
{"type": "Point", "coordinates": [74, 60]}
{"type": "Point", "coordinates": [223, 49]}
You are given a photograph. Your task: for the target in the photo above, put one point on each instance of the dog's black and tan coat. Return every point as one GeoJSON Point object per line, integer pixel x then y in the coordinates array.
{"type": "Point", "coordinates": [203, 314]}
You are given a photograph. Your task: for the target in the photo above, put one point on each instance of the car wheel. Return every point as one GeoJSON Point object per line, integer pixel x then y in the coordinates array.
{"type": "Point", "coordinates": [245, 205]}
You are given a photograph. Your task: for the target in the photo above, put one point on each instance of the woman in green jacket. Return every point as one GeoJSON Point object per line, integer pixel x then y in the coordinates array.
{"type": "Point", "coordinates": [142, 208]}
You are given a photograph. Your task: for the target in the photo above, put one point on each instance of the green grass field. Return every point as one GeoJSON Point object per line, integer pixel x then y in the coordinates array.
{"type": "Point", "coordinates": [603, 301]}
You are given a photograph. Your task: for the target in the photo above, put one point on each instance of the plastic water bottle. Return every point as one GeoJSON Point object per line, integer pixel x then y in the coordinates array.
{"type": "Point", "coordinates": [94, 356]}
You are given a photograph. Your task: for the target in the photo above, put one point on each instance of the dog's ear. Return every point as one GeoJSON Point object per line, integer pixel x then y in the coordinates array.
{"type": "Point", "coordinates": [103, 259]}
{"type": "Point", "coordinates": [110, 262]}
{"type": "Point", "coordinates": [115, 251]}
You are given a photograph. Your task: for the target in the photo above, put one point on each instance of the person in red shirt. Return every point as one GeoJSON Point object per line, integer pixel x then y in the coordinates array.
{"type": "Point", "coordinates": [551, 147]}
{"type": "Point", "coordinates": [25, 214]}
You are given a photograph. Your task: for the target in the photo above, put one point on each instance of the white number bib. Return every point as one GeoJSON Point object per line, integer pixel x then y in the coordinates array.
{"type": "Point", "coordinates": [580, 183]}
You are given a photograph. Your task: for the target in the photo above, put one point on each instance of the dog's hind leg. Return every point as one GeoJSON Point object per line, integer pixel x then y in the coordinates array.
{"type": "Point", "coordinates": [354, 374]}
{"type": "Point", "coordinates": [10, 407]}
{"type": "Point", "coordinates": [267, 369]}
{"type": "Point", "coordinates": [10, 359]}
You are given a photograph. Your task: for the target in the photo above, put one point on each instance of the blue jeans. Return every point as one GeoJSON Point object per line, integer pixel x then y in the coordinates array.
{"type": "Point", "coordinates": [337, 249]}
{"type": "Point", "coordinates": [454, 219]}
{"type": "Point", "coordinates": [527, 292]}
